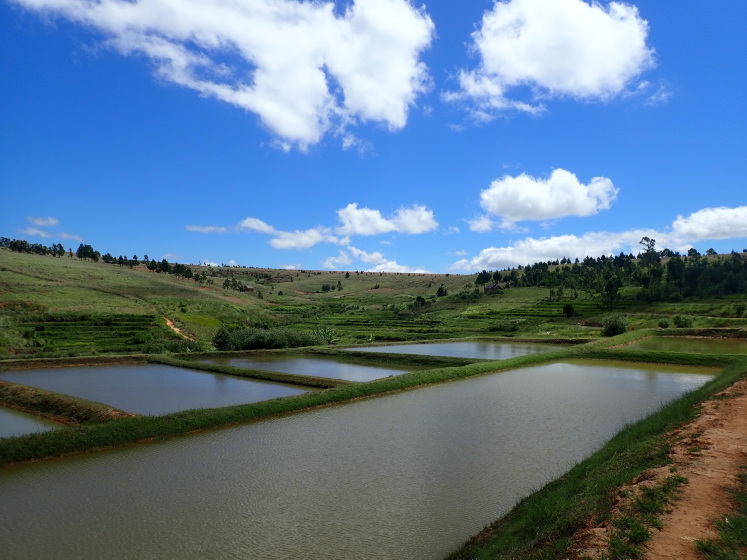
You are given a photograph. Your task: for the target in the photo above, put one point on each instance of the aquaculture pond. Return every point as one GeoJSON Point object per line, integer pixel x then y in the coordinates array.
{"type": "Point", "coordinates": [692, 344]}
{"type": "Point", "coordinates": [315, 367]}
{"type": "Point", "coordinates": [479, 350]}
{"type": "Point", "coordinates": [410, 475]}
{"type": "Point", "coordinates": [16, 423]}
{"type": "Point", "coordinates": [151, 389]}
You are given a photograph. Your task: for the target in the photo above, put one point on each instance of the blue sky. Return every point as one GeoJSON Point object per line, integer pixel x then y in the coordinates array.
{"type": "Point", "coordinates": [373, 134]}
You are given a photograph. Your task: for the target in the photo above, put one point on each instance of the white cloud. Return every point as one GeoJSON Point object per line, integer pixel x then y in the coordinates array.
{"type": "Point", "coordinates": [712, 223]}
{"type": "Point", "coordinates": [379, 262]}
{"type": "Point", "coordinates": [526, 198]}
{"type": "Point", "coordinates": [304, 239]}
{"type": "Point", "coordinates": [705, 224]}
{"type": "Point", "coordinates": [481, 224]}
{"type": "Point", "coordinates": [72, 236]}
{"type": "Point", "coordinates": [335, 263]}
{"type": "Point", "coordinates": [365, 221]}
{"type": "Point", "coordinates": [296, 266]}
{"type": "Point", "coordinates": [207, 229]}
{"type": "Point", "coordinates": [35, 232]}
{"type": "Point", "coordinates": [254, 224]}
{"type": "Point", "coordinates": [209, 263]}
{"type": "Point", "coordinates": [43, 222]}
{"type": "Point", "coordinates": [531, 250]}
{"type": "Point", "coordinates": [304, 70]}
{"type": "Point", "coordinates": [563, 48]}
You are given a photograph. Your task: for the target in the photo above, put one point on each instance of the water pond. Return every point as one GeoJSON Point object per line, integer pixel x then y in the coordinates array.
{"type": "Point", "coordinates": [315, 367]}
{"type": "Point", "coordinates": [479, 350]}
{"type": "Point", "coordinates": [692, 345]}
{"type": "Point", "coordinates": [409, 476]}
{"type": "Point", "coordinates": [151, 389]}
{"type": "Point", "coordinates": [16, 423]}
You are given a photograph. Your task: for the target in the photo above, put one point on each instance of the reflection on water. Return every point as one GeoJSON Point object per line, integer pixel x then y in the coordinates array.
{"type": "Point", "coordinates": [309, 366]}
{"type": "Point", "coordinates": [699, 345]}
{"type": "Point", "coordinates": [151, 389]}
{"type": "Point", "coordinates": [15, 423]}
{"type": "Point", "coordinates": [480, 350]}
{"type": "Point", "coordinates": [411, 475]}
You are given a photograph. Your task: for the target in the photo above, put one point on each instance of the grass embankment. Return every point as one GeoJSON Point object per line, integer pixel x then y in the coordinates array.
{"type": "Point", "coordinates": [57, 407]}
{"type": "Point", "coordinates": [264, 375]}
{"type": "Point", "coordinates": [541, 526]}
{"type": "Point", "coordinates": [145, 428]}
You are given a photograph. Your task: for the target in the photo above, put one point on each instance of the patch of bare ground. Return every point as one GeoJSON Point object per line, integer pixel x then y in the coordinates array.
{"type": "Point", "coordinates": [176, 329]}
{"type": "Point", "coordinates": [710, 452]}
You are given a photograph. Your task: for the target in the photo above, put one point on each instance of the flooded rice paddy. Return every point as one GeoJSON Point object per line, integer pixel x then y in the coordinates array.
{"type": "Point", "coordinates": [151, 389]}
{"type": "Point", "coordinates": [16, 423]}
{"type": "Point", "coordinates": [410, 475]}
{"type": "Point", "coordinates": [479, 350]}
{"type": "Point", "coordinates": [692, 345]}
{"type": "Point", "coordinates": [315, 367]}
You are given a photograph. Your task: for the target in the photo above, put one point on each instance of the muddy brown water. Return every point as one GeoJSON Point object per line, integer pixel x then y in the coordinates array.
{"type": "Point", "coordinates": [410, 475]}
{"type": "Point", "coordinates": [152, 389]}
{"type": "Point", "coordinates": [479, 350]}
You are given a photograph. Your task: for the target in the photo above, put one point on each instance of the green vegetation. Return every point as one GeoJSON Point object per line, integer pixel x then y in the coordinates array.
{"type": "Point", "coordinates": [633, 526]}
{"type": "Point", "coordinates": [732, 541]}
{"type": "Point", "coordinates": [62, 307]}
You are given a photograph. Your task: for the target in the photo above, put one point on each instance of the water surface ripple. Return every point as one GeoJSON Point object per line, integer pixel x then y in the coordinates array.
{"type": "Point", "coordinates": [410, 475]}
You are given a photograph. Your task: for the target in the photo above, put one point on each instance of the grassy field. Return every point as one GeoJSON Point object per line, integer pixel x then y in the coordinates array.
{"type": "Point", "coordinates": [65, 307]}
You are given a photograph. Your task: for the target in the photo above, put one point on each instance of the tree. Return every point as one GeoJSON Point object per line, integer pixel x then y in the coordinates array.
{"type": "Point", "coordinates": [611, 291]}
{"type": "Point", "coordinates": [347, 275]}
{"type": "Point", "coordinates": [441, 292]}
{"type": "Point", "coordinates": [711, 251]}
{"type": "Point", "coordinates": [676, 272]}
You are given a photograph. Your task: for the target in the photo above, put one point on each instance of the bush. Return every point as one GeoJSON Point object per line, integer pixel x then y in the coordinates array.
{"type": "Point", "coordinates": [614, 324]}
{"type": "Point", "coordinates": [682, 321]}
{"type": "Point", "coordinates": [664, 324]}
{"type": "Point", "coordinates": [569, 310]}
{"type": "Point", "coordinates": [739, 309]}
{"type": "Point", "coordinates": [260, 339]}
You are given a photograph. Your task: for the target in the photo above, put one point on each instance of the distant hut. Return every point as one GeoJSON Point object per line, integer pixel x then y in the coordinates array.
{"type": "Point", "coordinates": [248, 288]}
{"type": "Point", "coordinates": [493, 288]}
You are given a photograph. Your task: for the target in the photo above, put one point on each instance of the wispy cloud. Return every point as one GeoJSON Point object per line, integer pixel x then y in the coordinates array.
{"type": "Point", "coordinates": [43, 222]}
{"type": "Point", "coordinates": [207, 229]}
{"type": "Point", "coordinates": [412, 220]}
{"type": "Point", "coordinates": [375, 260]}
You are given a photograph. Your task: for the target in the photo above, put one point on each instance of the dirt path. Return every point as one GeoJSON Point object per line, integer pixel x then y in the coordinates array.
{"type": "Point", "coordinates": [710, 455]}
{"type": "Point", "coordinates": [174, 328]}
{"type": "Point", "coordinates": [709, 451]}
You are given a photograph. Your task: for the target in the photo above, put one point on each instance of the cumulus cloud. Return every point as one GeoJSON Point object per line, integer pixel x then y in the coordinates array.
{"type": "Point", "coordinates": [302, 68]}
{"type": "Point", "coordinates": [712, 223]}
{"type": "Point", "coordinates": [43, 222]}
{"type": "Point", "coordinates": [207, 229]}
{"type": "Point", "coordinates": [563, 48]}
{"type": "Point", "coordinates": [705, 224]}
{"type": "Point", "coordinates": [338, 262]}
{"type": "Point", "coordinates": [526, 198]}
{"type": "Point", "coordinates": [365, 221]}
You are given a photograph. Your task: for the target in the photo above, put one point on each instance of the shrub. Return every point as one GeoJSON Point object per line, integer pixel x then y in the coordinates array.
{"type": "Point", "coordinates": [682, 321]}
{"type": "Point", "coordinates": [258, 339]}
{"type": "Point", "coordinates": [569, 310]}
{"type": "Point", "coordinates": [614, 324]}
{"type": "Point", "coordinates": [664, 324]}
{"type": "Point", "coordinates": [739, 309]}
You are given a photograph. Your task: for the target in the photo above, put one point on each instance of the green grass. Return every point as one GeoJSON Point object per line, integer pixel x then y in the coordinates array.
{"type": "Point", "coordinates": [731, 544]}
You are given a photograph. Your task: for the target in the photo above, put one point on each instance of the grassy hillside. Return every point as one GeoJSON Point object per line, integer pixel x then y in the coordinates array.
{"type": "Point", "coordinates": [52, 306]}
